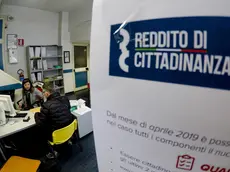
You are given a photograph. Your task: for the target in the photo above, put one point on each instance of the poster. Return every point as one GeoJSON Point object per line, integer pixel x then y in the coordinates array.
{"type": "Point", "coordinates": [12, 40]}
{"type": "Point", "coordinates": [161, 92]}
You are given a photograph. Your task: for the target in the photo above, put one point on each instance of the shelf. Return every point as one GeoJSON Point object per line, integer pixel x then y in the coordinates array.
{"type": "Point", "coordinates": [52, 57]}
{"type": "Point", "coordinates": [58, 88]}
{"type": "Point", "coordinates": [52, 54]}
{"type": "Point", "coordinates": [35, 58]}
{"type": "Point", "coordinates": [52, 69]}
{"type": "Point", "coordinates": [34, 71]}
{"type": "Point", "coordinates": [52, 80]}
{"type": "Point", "coordinates": [58, 79]}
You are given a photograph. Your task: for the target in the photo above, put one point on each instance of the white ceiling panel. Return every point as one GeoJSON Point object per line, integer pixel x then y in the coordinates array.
{"type": "Point", "coordinates": [50, 5]}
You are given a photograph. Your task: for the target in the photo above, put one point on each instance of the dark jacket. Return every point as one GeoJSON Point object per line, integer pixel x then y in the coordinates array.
{"type": "Point", "coordinates": [55, 113]}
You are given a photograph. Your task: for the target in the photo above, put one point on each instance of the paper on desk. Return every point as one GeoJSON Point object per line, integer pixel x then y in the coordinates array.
{"type": "Point", "coordinates": [81, 101]}
{"type": "Point", "coordinates": [73, 103]}
{"type": "Point", "coordinates": [81, 111]}
{"type": "Point", "coordinates": [34, 110]}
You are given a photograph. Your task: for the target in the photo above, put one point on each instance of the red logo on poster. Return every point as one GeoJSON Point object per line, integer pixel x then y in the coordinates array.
{"type": "Point", "coordinates": [185, 162]}
{"type": "Point", "coordinates": [20, 42]}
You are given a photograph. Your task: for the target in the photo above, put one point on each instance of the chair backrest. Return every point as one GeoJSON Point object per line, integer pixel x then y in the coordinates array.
{"type": "Point", "coordinates": [64, 134]}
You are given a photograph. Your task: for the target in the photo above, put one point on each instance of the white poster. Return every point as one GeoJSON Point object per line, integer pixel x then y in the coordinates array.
{"type": "Point", "coordinates": [160, 85]}
{"type": "Point", "coordinates": [12, 41]}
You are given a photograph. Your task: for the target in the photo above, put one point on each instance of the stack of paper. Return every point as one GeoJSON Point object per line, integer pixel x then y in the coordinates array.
{"type": "Point", "coordinates": [73, 103]}
{"type": "Point", "coordinates": [31, 52]}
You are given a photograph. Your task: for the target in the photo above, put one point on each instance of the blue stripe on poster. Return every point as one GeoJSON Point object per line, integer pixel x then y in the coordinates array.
{"type": "Point", "coordinates": [67, 71]}
{"type": "Point", "coordinates": [10, 87]}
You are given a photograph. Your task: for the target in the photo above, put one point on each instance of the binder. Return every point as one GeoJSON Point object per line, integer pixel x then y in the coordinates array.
{"type": "Point", "coordinates": [45, 67]}
{"type": "Point", "coordinates": [40, 64]}
{"type": "Point", "coordinates": [31, 52]}
{"type": "Point", "coordinates": [37, 51]}
{"type": "Point", "coordinates": [37, 64]}
{"type": "Point", "coordinates": [32, 64]}
{"type": "Point", "coordinates": [43, 52]}
{"type": "Point", "coordinates": [33, 77]}
{"type": "Point", "coordinates": [39, 75]}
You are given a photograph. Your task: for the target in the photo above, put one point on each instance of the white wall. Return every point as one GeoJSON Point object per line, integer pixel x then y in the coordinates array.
{"type": "Point", "coordinates": [64, 39]}
{"type": "Point", "coordinates": [80, 23]}
{"type": "Point", "coordinates": [35, 26]}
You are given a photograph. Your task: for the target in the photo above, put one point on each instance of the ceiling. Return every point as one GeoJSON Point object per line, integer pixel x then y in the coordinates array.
{"type": "Point", "coordinates": [50, 5]}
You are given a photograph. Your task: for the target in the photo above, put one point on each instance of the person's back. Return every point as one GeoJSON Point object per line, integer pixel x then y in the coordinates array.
{"type": "Point", "coordinates": [57, 110]}
{"type": "Point", "coordinates": [55, 113]}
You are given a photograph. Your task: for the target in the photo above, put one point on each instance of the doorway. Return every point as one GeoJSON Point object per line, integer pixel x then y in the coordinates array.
{"type": "Point", "coordinates": [81, 67]}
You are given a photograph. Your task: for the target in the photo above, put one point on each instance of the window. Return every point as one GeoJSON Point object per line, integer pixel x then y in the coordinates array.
{"type": "Point", "coordinates": [80, 56]}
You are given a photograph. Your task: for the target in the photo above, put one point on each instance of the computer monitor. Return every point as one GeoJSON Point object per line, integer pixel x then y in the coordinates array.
{"type": "Point", "coordinates": [7, 103]}
{"type": "Point", "coordinates": [8, 92]}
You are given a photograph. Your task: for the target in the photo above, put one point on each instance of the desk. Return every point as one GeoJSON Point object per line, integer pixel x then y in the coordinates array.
{"type": "Point", "coordinates": [18, 126]}
{"type": "Point", "coordinates": [84, 118]}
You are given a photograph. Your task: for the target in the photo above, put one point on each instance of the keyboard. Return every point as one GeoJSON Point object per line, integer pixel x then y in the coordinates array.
{"type": "Point", "coordinates": [20, 115]}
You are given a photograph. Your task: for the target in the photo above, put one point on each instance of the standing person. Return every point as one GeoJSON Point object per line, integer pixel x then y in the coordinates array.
{"type": "Point", "coordinates": [55, 113]}
{"type": "Point", "coordinates": [30, 95]}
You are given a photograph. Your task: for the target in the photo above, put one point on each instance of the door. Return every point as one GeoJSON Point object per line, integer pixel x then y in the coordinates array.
{"type": "Point", "coordinates": [81, 68]}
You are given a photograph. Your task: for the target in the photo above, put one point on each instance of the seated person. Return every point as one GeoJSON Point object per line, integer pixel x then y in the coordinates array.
{"type": "Point", "coordinates": [55, 113]}
{"type": "Point", "coordinates": [30, 95]}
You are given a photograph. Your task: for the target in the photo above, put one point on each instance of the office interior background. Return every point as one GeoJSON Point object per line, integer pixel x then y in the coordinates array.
{"type": "Point", "coordinates": [51, 24]}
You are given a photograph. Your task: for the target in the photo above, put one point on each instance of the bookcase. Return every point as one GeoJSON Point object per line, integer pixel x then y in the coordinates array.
{"type": "Point", "coordinates": [45, 64]}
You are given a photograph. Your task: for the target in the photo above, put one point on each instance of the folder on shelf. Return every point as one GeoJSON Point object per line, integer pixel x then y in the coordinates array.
{"type": "Point", "coordinates": [45, 67]}
{"type": "Point", "coordinates": [31, 52]}
{"type": "Point", "coordinates": [39, 76]}
{"type": "Point", "coordinates": [32, 64]}
{"type": "Point", "coordinates": [41, 64]}
{"type": "Point", "coordinates": [43, 52]}
{"type": "Point", "coordinates": [37, 64]}
{"type": "Point", "coordinates": [33, 77]}
{"type": "Point", "coordinates": [37, 51]}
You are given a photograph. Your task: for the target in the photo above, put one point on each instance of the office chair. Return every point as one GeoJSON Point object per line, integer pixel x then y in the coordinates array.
{"type": "Point", "coordinates": [63, 135]}
{"type": "Point", "coordinates": [19, 164]}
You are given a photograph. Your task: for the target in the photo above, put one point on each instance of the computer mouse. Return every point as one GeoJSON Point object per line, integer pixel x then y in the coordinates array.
{"type": "Point", "coordinates": [11, 122]}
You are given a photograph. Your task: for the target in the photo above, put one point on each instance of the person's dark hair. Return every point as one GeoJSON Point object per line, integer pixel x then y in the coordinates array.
{"type": "Point", "coordinates": [31, 85]}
